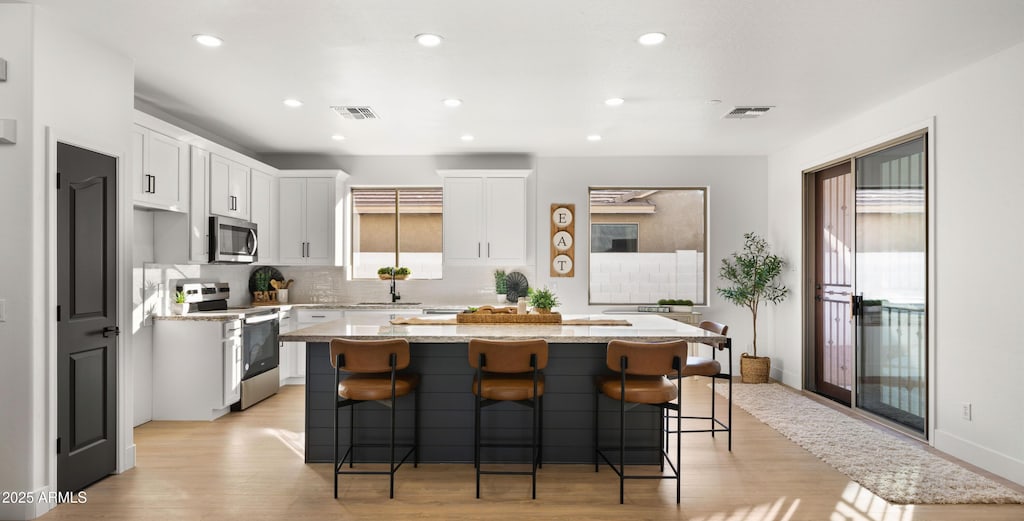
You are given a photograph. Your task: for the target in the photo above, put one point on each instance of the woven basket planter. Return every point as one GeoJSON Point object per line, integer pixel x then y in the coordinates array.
{"type": "Point", "coordinates": [754, 369]}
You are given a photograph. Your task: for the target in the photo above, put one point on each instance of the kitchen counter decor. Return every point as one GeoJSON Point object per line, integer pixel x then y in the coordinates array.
{"type": "Point", "coordinates": [505, 315]}
{"type": "Point", "coordinates": [516, 286]}
{"type": "Point", "coordinates": [259, 285]}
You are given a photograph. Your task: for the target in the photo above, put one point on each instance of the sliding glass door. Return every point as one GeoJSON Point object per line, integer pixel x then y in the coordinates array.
{"type": "Point", "coordinates": [890, 283]}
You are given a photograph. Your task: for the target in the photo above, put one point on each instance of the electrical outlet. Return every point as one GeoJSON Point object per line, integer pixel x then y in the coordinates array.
{"type": "Point", "coordinates": [965, 411]}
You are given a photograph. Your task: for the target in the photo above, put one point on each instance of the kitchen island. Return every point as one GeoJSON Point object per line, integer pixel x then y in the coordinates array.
{"type": "Point", "coordinates": [439, 355]}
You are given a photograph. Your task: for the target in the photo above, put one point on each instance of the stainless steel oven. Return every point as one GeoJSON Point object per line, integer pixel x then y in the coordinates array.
{"type": "Point", "coordinates": [261, 354]}
{"type": "Point", "coordinates": [233, 241]}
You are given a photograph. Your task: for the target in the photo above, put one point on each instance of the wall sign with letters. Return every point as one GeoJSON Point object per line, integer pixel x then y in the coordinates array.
{"type": "Point", "coordinates": [563, 240]}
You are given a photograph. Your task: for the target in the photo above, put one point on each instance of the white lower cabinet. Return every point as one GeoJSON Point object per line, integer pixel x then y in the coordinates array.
{"type": "Point", "coordinates": [305, 318]}
{"type": "Point", "coordinates": [377, 317]}
{"type": "Point", "coordinates": [288, 364]}
{"type": "Point", "coordinates": [197, 368]}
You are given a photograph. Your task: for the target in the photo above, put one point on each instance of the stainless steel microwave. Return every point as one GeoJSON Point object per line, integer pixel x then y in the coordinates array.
{"type": "Point", "coordinates": [233, 241]}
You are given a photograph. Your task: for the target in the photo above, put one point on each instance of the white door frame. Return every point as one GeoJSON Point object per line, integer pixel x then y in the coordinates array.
{"type": "Point", "coordinates": [125, 405]}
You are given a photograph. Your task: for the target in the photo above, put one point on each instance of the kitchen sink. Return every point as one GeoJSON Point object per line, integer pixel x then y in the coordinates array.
{"type": "Point", "coordinates": [389, 303]}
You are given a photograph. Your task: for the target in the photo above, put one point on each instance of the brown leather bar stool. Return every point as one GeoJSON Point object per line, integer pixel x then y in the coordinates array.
{"type": "Point", "coordinates": [642, 379]}
{"type": "Point", "coordinates": [373, 367]}
{"type": "Point", "coordinates": [509, 371]}
{"type": "Point", "coordinates": [699, 366]}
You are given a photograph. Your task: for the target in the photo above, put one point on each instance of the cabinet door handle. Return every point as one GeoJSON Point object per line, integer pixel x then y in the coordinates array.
{"type": "Point", "coordinates": [488, 250]}
{"type": "Point", "coordinates": [154, 183]}
{"type": "Point", "coordinates": [478, 250]}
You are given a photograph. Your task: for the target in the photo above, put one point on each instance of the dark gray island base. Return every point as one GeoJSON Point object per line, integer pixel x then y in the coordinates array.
{"type": "Point", "coordinates": [446, 411]}
{"type": "Point", "coordinates": [440, 355]}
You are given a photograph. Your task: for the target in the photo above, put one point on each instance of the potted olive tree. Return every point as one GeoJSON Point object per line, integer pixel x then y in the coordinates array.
{"type": "Point", "coordinates": [754, 274]}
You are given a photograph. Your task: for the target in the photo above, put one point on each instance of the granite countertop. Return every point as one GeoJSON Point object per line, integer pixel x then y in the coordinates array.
{"type": "Point", "coordinates": [643, 328]}
{"type": "Point", "coordinates": [239, 313]}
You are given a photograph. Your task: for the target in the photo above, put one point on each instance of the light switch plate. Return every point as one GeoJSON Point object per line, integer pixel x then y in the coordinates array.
{"type": "Point", "coordinates": [3, 310]}
{"type": "Point", "coordinates": [3, 69]}
{"type": "Point", "coordinates": [8, 131]}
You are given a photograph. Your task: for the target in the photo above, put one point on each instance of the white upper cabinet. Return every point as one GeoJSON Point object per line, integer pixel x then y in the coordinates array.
{"type": "Point", "coordinates": [229, 188]}
{"type": "Point", "coordinates": [199, 207]}
{"type": "Point", "coordinates": [263, 205]}
{"type": "Point", "coordinates": [159, 170]}
{"type": "Point", "coordinates": [485, 217]}
{"type": "Point", "coordinates": [307, 220]}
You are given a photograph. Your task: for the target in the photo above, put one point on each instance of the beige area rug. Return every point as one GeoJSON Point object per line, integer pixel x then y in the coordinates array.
{"type": "Point", "coordinates": [894, 469]}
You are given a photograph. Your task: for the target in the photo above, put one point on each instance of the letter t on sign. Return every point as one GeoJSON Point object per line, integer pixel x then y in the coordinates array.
{"type": "Point", "coordinates": [563, 240]}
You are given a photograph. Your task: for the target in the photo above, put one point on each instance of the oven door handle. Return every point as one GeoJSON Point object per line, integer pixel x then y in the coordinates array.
{"type": "Point", "coordinates": [258, 319]}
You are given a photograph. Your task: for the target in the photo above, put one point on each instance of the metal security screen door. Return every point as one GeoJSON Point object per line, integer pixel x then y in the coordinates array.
{"type": "Point", "coordinates": [891, 283]}
{"type": "Point", "coordinates": [833, 286]}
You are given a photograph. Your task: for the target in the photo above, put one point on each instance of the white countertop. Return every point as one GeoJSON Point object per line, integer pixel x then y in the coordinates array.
{"type": "Point", "coordinates": [645, 328]}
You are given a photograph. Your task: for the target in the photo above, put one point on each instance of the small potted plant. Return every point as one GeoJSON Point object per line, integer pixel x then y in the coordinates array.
{"type": "Point", "coordinates": [180, 307]}
{"type": "Point", "coordinates": [542, 300]}
{"type": "Point", "coordinates": [500, 285]}
{"type": "Point", "coordinates": [677, 305]}
{"type": "Point", "coordinates": [389, 272]}
{"type": "Point", "coordinates": [754, 274]}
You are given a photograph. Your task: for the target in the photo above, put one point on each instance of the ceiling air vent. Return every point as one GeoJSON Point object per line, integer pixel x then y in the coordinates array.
{"type": "Point", "coordinates": [356, 112]}
{"type": "Point", "coordinates": [747, 112]}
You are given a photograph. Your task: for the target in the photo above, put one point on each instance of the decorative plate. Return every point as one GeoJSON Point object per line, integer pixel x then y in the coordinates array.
{"type": "Point", "coordinates": [516, 286]}
{"type": "Point", "coordinates": [269, 270]}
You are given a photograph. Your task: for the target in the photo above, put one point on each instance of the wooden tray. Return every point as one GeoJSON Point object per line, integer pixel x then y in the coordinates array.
{"type": "Point", "coordinates": [506, 318]}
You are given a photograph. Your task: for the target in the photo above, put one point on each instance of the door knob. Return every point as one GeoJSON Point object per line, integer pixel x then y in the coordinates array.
{"type": "Point", "coordinates": [111, 329]}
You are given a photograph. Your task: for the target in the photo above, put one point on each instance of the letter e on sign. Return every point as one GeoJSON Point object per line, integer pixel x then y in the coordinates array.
{"type": "Point", "coordinates": [561, 217]}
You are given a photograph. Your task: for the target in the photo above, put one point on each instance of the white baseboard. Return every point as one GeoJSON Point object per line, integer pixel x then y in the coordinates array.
{"type": "Point", "coordinates": [788, 378]}
{"type": "Point", "coordinates": [294, 380]}
{"type": "Point", "coordinates": [25, 510]}
{"type": "Point", "coordinates": [988, 459]}
{"type": "Point", "coordinates": [128, 459]}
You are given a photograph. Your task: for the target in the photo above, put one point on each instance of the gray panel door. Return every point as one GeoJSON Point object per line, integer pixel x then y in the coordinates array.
{"type": "Point", "coordinates": [87, 308]}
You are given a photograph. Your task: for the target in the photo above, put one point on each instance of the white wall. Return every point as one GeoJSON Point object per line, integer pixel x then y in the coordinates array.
{"type": "Point", "coordinates": [735, 201]}
{"type": "Point", "coordinates": [977, 355]}
{"type": "Point", "coordinates": [83, 93]}
{"type": "Point", "coordinates": [21, 335]}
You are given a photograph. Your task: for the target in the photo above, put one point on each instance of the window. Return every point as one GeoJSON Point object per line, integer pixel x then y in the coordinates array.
{"type": "Point", "coordinates": [396, 227]}
{"type": "Point", "coordinates": [648, 244]}
{"type": "Point", "coordinates": [620, 238]}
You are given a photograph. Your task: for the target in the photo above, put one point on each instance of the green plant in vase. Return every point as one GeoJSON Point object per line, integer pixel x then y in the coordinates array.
{"type": "Point", "coordinates": [179, 307]}
{"type": "Point", "coordinates": [542, 300]}
{"type": "Point", "coordinates": [500, 284]}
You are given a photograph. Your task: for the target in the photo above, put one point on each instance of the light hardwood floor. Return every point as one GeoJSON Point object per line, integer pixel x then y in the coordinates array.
{"type": "Point", "coordinates": [249, 466]}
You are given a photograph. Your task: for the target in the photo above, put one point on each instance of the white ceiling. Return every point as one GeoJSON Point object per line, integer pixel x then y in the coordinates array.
{"type": "Point", "coordinates": [534, 74]}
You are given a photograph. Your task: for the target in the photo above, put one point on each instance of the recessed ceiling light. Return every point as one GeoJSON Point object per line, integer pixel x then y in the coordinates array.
{"type": "Point", "coordinates": [468, 137]}
{"type": "Point", "coordinates": [714, 101]}
{"type": "Point", "coordinates": [338, 137]}
{"type": "Point", "coordinates": [207, 40]}
{"type": "Point", "coordinates": [614, 102]}
{"type": "Point", "coordinates": [292, 102]}
{"type": "Point", "coordinates": [651, 38]}
{"type": "Point", "coordinates": [452, 102]}
{"type": "Point", "coordinates": [428, 40]}
{"type": "Point", "coordinates": [593, 137]}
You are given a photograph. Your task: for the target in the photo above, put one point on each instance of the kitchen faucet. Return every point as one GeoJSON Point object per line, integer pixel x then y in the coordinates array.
{"type": "Point", "coordinates": [395, 297]}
